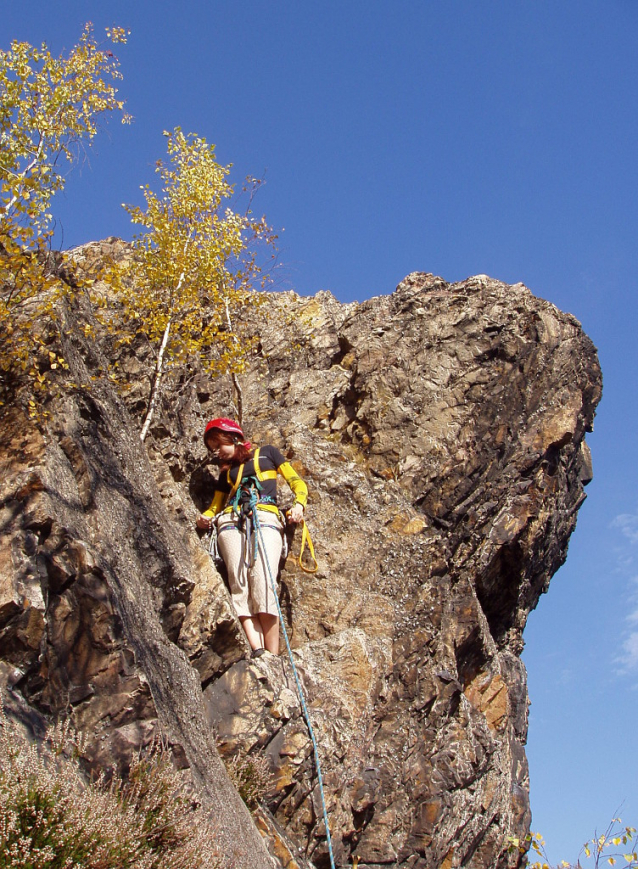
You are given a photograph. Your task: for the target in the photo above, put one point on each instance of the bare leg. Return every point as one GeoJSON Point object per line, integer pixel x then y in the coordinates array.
{"type": "Point", "coordinates": [270, 631]}
{"type": "Point", "coordinates": [254, 632]}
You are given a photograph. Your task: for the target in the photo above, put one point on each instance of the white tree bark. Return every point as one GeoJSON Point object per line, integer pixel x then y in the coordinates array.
{"type": "Point", "coordinates": [159, 363]}
{"type": "Point", "coordinates": [157, 379]}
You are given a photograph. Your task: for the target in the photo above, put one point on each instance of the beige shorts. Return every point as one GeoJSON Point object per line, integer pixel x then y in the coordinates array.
{"type": "Point", "coordinates": [248, 576]}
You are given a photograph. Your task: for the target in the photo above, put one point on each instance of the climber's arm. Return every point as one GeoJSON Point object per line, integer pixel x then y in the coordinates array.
{"type": "Point", "coordinates": [299, 490]}
{"type": "Point", "coordinates": [216, 504]}
{"type": "Point", "coordinates": [205, 520]}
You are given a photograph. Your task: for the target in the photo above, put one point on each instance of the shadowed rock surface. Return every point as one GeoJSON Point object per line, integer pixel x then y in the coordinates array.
{"type": "Point", "coordinates": [441, 433]}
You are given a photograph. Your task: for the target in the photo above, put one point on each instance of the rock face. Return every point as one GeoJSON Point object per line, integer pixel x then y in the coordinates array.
{"type": "Point", "coordinates": [441, 433]}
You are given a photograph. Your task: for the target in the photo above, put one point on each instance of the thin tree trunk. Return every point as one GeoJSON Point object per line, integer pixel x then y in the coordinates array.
{"type": "Point", "coordinates": [159, 364]}
{"type": "Point", "coordinates": [239, 395]}
{"type": "Point", "coordinates": [159, 370]}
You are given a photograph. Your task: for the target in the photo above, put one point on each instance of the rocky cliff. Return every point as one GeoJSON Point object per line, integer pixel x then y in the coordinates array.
{"type": "Point", "coordinates": [441, 432]}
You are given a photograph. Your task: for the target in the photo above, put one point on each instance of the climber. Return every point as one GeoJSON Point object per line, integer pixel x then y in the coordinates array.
{"type": "Point", "coordinates": [247, 481]}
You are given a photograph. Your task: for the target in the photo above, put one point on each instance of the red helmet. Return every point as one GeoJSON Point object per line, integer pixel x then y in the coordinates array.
{"type": "Point", "coordinates": [224, 424]}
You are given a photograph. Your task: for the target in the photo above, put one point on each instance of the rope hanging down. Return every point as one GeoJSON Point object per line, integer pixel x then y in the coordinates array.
{"type": "Point", "coordinates": [300, 693]}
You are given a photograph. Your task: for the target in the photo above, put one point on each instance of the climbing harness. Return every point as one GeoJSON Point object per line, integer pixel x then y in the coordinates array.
{"type": "Point", "coordinates": [300, 693]}
{"type": "Point", "coordinates": [244, 498]}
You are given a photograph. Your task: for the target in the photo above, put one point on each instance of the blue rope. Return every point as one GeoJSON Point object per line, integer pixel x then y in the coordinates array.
{"type": "Point", "coordinates": [297, 682]}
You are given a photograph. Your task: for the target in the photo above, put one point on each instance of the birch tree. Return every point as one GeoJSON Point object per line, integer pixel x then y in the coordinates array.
{"type": "Point", "coordinates": [50, 108]}
{"type": "Point", "coordinates": [196, 261]}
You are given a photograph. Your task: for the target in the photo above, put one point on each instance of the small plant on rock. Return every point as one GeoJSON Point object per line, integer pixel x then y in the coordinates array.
{"type": "Point", "coordinates": [251, 776]}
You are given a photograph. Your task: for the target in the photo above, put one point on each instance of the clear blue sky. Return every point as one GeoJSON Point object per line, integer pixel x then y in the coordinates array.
{"type": "Point", "coordinates": [458, 137]}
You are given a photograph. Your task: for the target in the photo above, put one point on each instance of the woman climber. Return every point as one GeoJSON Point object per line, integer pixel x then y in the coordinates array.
{"type": "Point", "coordinates": [250, 543]}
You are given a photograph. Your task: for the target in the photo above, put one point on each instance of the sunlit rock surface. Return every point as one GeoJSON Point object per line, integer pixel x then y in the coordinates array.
{"type": "Point", "coordinates": [441, 432]}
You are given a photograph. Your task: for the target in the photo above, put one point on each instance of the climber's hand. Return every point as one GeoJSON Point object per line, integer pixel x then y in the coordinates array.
{"type": "Point", "coordinates": [205, 523]}
{"type": "Point", "coordinates": [295, 514]}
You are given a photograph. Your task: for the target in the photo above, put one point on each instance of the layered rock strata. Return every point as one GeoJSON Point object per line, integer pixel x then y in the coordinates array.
{"type": "Point", "coordinates": [441, 432]}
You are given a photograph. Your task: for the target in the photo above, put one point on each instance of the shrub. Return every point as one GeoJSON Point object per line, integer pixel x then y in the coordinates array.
{"type": "Point", "coordinates": [53, 817]}
{"type": "Point", "coordinates": [251, 776]}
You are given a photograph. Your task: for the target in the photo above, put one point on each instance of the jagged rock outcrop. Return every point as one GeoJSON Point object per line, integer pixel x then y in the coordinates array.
{"type": "Point", "coordinates": [441, 432]}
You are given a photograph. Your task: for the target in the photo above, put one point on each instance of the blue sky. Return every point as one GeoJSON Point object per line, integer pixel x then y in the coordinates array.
{"type": "Point", "coordinates": [458, 137]}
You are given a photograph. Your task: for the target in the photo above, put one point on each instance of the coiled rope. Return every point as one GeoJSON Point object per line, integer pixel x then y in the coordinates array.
{"type": "Point", "coordinates": [300, 693]}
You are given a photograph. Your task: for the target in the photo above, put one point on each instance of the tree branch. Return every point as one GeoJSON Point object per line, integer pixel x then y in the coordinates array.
{"type": "Point", "coordinates": [238, 399]}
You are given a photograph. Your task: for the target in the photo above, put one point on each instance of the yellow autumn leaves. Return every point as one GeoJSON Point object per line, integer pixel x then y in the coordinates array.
{"type": "Point", "coordinates": [616, 846]}
{"type": "Point", "coordinates": [193, 262]}
{"type": "Point", "coordinates": [49, 111]}
{"type": "Point", "coordinates": [193, 267]}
